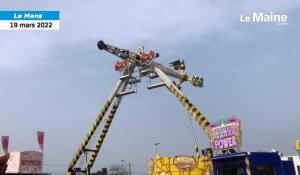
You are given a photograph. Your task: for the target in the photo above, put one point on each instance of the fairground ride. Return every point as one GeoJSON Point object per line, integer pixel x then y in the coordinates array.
{"type": "Point", "coordinates": [132, 67]}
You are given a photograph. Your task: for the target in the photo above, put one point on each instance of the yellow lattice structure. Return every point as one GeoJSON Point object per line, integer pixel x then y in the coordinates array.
{"type": "Point", "coordinates": [170, 166]}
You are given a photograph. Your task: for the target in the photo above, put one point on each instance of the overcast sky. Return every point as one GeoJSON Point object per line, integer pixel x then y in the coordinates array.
{"type": "Point", "coordinates": [57, 81]}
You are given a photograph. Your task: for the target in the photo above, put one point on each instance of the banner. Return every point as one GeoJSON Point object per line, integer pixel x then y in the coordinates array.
{"type": "Point", "coordinates": [40, 137]}
{"type": "Point", "coordinates": [5, 140]}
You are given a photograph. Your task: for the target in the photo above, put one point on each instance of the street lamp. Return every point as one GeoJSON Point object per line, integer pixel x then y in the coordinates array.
{"type": "Point", "coordinates": [129, 167]}
{"type": "Point", "coordinates": [156, 144]}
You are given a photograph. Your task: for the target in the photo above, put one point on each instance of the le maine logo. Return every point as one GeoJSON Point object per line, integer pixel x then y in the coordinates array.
{"type": "Point", "coordinates": [260, 17]}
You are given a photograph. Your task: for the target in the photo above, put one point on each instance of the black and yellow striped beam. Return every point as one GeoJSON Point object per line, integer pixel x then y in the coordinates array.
{"type": "Point", "coordinates": [87, 138]}
{"type": "Point", "coordinates": [196, 114]}
{"type": "Point", "coordinates": [197, 151]}
{"type": "Point", "coordinates": [102, 136]}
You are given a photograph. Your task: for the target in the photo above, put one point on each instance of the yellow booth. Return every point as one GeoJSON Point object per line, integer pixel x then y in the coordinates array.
{"type": "Point", "coordinates": [179, 165]}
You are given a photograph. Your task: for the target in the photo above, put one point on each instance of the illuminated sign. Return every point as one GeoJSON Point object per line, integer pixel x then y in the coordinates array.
{"type": "Point", "coordinates": [225, 134]}
{"type": "Point", "coordinates": [31, 162]}
{"type": "Point", "coordinates": [25, 162]}
{"type": "Point", "coordinates": [298, 145]}
{"type": "Point", "coordinates": [184, 162]}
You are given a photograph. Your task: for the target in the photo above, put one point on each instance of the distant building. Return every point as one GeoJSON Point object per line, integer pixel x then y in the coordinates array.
{"type": "Point", "coordinates": [25, 162]}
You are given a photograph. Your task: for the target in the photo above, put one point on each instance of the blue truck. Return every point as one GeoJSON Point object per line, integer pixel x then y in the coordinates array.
{"type": "Point", "coordinates": [252, 163]}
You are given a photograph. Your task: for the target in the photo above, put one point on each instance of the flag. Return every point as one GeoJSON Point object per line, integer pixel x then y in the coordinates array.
{"type": "Point", "coordinates": [5, 140]}
{"type": "Point", "coordinates": [40, 137]}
